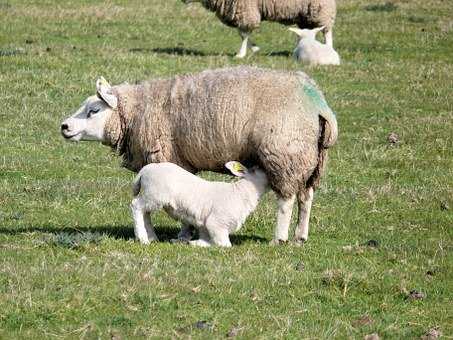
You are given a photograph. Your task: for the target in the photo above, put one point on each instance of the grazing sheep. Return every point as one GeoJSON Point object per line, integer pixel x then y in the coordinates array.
{"type": "Point", "coordinates": [217, 209]}
{"type": "Point", "coordinates": [275, 119]}
{"type": "Point", "coordinates": [311, 51]}
{"type": "Point", "coordinates": [246, 15]}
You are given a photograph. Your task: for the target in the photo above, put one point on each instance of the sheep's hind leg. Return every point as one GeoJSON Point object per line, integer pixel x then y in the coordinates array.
{"type": "Point", "coordinates": [301, 233]}
{"type": "Point", "coordinates": [143, 228]}
{"type": "Point", "coordinates": [285, 210]}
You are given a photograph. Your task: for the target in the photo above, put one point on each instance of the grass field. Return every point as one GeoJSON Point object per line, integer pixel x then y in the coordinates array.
{"type": "Point", "coordinates": [381, 223]}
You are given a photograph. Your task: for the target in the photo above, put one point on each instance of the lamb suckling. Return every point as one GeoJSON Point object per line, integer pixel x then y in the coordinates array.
{"type": "Point", "coordinates": [278, 120]}
{"type": "Point", "coordinates": [216, 209]}
{"type": "Point", "coordinates": [246, 16]}
{"type": "Point", "coordinates": [312, 52]}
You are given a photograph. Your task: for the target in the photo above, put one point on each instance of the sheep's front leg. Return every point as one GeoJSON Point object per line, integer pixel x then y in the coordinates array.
{"type": "Point", "coordinates": [301, 234]}
{"type": "Point", "coordinates": [246, 43]}
{"type": "Point", "coordinates": [328, 36]}
{"type": "Point", "coordinates": [143, 228]}
{"type": "Point", "coordinates": [285, 210]}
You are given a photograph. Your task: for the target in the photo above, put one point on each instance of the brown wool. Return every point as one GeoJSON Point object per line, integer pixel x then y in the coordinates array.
{"type": "Point", "coordinates": [278, 120]}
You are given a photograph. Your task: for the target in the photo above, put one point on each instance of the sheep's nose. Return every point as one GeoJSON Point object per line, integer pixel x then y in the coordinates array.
{"type": "Point", "coordinates": [64, 127]}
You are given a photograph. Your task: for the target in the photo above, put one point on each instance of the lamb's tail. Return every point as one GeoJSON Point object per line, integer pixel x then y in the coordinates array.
{"type": "Point", "coordinates": [136, 186]}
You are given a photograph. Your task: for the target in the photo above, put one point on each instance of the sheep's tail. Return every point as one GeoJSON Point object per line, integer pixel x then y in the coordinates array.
{"type": "Point", "coordinates": [327, 137]}
{"type": "Point", "coordinates": [328, 123]}
{"type": "Point", "coordinates": [136, 186]}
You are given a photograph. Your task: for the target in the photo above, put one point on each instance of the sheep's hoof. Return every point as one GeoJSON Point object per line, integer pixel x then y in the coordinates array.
{"type": "Point", "coordinates": [255, 49]}
{"type": "Point", "coordinates": [275, 242]}
{"type": "Point", "coordinates": [239, 56]}
{"type": "Point", "coordinates": [299, 242]}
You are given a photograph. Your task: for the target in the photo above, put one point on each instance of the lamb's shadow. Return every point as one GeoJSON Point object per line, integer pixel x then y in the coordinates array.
{"type": "Point", "coordinates": [165, 233]}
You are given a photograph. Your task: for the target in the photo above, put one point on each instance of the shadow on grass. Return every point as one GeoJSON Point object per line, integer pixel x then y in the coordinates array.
{"type": "Point", "coordinates": [280, 54]}
{"type": "Point", "coordinates": [181, 51]}
{"type": "Point", "coordinates": [165, 233]}
{"type": "Point", "coordinates": [386, 7]}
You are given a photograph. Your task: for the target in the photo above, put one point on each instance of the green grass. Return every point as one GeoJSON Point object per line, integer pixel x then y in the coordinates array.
{"type": "Point", "coordinates": [69, 266]}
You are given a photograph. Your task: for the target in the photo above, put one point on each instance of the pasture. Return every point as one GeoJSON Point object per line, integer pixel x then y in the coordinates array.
{"type": "Point", "coordinates": [379, 255]}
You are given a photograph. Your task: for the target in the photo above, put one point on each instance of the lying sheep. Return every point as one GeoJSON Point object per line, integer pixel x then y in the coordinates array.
{"type": "Point", "coordinates": [275, 119]}
{"type": "Point", "coordinates": [217, 210]}
{"type": "Point", "coordinates": [246, 15]}
{"type": "Point", "coordinates": [311, 51]}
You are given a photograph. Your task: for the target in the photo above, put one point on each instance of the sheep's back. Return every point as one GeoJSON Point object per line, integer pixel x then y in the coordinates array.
{"type": "Point", "coordinates": [224, 115]}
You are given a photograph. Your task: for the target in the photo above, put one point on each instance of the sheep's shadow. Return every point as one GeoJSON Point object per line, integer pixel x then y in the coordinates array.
{"type": "Point", "coordinates": [180, 51]}
{"type": "Point", "coordinates": [280, 54]}
{"type": "Point", "coordinates": [386, 7]}
{"type": "Point", "coordinates": [165, 233]}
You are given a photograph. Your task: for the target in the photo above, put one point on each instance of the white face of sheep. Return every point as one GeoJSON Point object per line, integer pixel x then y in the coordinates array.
{"type": "Point", "coordinates": [88, 122]}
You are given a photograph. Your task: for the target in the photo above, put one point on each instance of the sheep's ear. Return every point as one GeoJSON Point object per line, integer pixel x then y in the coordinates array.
{"type": "Point", "coordinates": [236, 168]}
{"type": "Point", "coordinates": [104, 91]}
{"type": "Point", "coordinates": [298, 31]}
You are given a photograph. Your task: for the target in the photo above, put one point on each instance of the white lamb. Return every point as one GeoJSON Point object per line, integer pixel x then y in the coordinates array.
{"type": "Point", "coordinates": [311, 51]}
{"type": "Point", "coordinates": [216, 209]}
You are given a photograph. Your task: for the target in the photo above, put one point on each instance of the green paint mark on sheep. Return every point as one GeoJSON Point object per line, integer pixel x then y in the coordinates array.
{"type": "Point", "coordinates": [315, 96]}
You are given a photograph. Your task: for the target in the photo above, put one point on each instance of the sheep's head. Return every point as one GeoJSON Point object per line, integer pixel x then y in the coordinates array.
{"type": "Point", "coordinates": [89, 121]}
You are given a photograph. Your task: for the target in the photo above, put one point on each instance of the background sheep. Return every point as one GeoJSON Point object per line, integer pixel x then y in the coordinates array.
{"type": "Point", "coordinates": [277, 120]}
{"type": "Point", "coordinates": [246, 15]}
{"type": "Point", "coordinates": [311, 51]}
{"type": "Point", "coordinates": [218, 209]}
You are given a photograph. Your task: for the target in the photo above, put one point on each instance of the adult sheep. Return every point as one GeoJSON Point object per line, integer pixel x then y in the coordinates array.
{"type": "Point", "coordinates": [246, 15]}
{"type": "Point", "coordinates": [275, 119]}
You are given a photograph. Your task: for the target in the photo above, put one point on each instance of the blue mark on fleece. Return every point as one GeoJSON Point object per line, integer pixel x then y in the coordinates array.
{"type": "Point", "coordinates": [316, 97]}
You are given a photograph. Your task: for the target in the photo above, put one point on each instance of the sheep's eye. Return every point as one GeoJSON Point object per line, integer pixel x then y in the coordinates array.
{"type": "Point", "coordinates": [93, 111]}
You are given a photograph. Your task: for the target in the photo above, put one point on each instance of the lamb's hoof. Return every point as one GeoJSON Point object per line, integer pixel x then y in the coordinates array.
{"type": "Point", "coordinates": [149, 241]}
{"type": "Point", "coordinates": [299, 242]}
{"type": "Point", "coordinates": [255, 49]}
{"type": "Point", "coordinates": [275, 242]}
{"type": "Point", "coordinates": [199, 243]}
{"type": "Point", "coordinates": [239, 56]}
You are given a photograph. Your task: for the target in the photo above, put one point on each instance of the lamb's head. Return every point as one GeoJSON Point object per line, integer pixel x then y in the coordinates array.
{"type": "Point", "coordinates": [89, 121]}
{"type": "Point", "coordinates": [255, 174]}
{"type": "Point", "coordinates": [306, 33]}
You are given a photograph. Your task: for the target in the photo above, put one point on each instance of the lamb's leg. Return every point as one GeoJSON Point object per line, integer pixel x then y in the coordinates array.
{"type": "Point", "coordinates": [245, 41]}
{"type": "Point", "coordinates": [219, 236]}
{"type": "Point", "coordinates": [186, 232]}
{"type": "Point", "coordinates": [203, 240]}
{"type": "Point", "coordinates": [301, 234]}
{"type": "Point", "coordinates": [285, 210]}
{"type": "Point", "coordinates": [143, 229]}
{"type": "Point", "coordinates": [328, 36]}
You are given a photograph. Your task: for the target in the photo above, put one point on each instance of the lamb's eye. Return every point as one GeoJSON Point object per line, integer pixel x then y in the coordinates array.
{"type": "Point", "coordinates": [93, 111]}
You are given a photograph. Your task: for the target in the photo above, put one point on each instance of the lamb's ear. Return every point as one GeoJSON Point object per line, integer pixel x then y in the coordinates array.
{"type": "Point", "coordinates": [104, 91]}
{"type": "Point", "coordinates": [298, 31]}
{"type": "Point", "coordinates": [318, 29]}
{"type": "Point", "coordinates": [236, 168]}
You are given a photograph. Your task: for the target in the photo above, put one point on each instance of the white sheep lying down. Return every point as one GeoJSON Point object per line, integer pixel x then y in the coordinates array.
{"type": "Point", "coordinates": [312, 52]}
{"type": "Point", "coordinates": [216, 209]}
